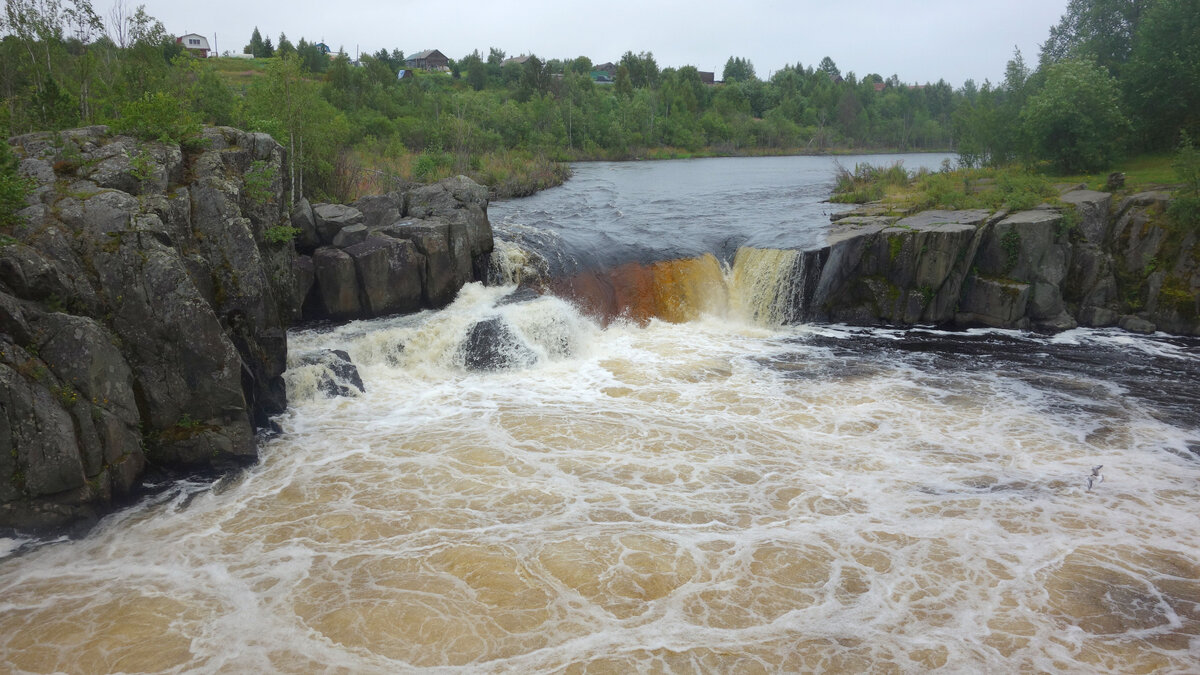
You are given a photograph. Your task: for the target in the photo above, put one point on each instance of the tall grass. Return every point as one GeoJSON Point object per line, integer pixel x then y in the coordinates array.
{"type": "Point", "coordinates": [868, 183]}
{"type": "Point", "coordinates": [1010, 188]}
{"type": "Point", "coordinates": [506, 173]}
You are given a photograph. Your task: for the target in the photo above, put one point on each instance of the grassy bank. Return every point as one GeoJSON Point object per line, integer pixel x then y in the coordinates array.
{"type": "Point", "coordinates": [1012, 188]}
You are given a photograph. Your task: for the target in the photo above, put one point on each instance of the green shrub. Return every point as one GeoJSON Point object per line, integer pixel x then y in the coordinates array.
{"type": "Point", "coordinates": [141, 165]}
{"type": "Point", "coordinates": [280, 234]}
{"type": "Point", "coordinates": [1184, 210]}
{"type": "Point", "coordinates": [258, 181]}
{"type": "Point", "coordinates": [430, 165]}
{"type": "Point", "coordinates": [13, 187]}
{"type": "Point", "coordinates": [158, 116]}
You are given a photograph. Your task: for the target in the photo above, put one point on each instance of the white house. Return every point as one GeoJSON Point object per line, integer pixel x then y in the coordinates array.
{"type": "Point", "coordinates": [194, 43]}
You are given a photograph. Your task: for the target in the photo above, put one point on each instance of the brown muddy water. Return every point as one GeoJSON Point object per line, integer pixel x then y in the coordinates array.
{"type": "Point", "coordinates": [695, 488]}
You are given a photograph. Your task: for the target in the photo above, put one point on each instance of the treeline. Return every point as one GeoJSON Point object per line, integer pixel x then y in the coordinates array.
{"type": "Point", "coordinates": [1095, 93]}
{"type": "Point", "coordinates": [1114, 77]}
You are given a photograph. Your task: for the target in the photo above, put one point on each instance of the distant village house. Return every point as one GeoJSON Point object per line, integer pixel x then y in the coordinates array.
{"type": "Point", "coordinates": [516, 60]}
{"type": "Point", "coordinates": [196, 45]}
{"type": "Point", "coordinates": [604, 73]}
{"type": "Point", "coordinates": [430, 59]}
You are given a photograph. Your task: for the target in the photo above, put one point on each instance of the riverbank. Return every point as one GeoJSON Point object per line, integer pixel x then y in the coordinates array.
{"type": "Point", "coordinates": [515, 174]}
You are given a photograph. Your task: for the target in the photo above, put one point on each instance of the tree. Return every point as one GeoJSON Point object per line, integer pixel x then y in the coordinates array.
{"type": "Point", "coordinates": [268, 50]}
{"type": "Point", "coordinates": [643, 69]}
{"type": "Point", "coordinates": [535, 78]}
{"type": "Point", "coordinates": [622, 82]}
{"type": "Point", "coordinates": [285, 46]}
{"type": "Point", "coordinates": [1102, 30]}
{"type": "Point", "coordinates": [1163, 77]}
{"type": "Point", "coordinates": [581, 65]}
{"type": "Point", "coordinates": [830, 68]}
{"type": "Point", "coordinates": [1075, 120]}
{"type": "Point", "coordinates": [738, 69]}
{"type": "Point", "coordinates": [476, 70]}
{"type": "Point", "coordinates": [255, 47]}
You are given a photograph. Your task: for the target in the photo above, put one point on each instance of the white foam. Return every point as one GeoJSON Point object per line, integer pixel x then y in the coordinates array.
{"type": "Point", "coordinates": [701, 496]}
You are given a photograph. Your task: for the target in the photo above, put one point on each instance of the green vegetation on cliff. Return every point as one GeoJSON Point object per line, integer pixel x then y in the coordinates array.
{"type": "Point", "coordinates": [1114, 76]}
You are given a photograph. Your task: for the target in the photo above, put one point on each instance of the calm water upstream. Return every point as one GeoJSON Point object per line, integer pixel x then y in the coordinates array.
{"type": "Point", "coordinates": [708, 493]}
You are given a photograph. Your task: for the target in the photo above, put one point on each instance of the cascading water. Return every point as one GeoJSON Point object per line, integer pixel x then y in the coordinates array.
{"type": "Point", "coordinates": [684, 483]}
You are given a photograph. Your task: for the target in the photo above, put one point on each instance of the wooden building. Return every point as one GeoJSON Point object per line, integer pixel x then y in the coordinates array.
{"type": "Point", "coordinates": [195, 44]}
{"type": "Point", "coordinates": [430, 59]}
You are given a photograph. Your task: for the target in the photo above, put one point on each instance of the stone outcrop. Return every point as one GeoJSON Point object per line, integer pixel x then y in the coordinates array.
{"type": "Point", "coordinates": [143, 311]}
{"type": "Point", "coordinates": [1088, 263]}
{"type": "Point", "coordinates": [396, 252]}
{"type": "Point", "coordinates": [146, 292]}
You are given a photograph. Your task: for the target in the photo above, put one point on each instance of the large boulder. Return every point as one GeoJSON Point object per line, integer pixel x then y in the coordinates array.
{"type": "Point", "coordinates": [445, 243]}
{"type": "Point", "coordinates": [303, 219]}
{"type": "Point", "coordinates": [446, 253]}
{"type": "Point", "coordinates": [336, 283]}
{"type": "Point", "coordinates": [492, 344]}
{"type": "Point", "coordinates": [456, 200]}
{"type": "Point", "coordinates": [331, 218]}
{"type": "Point", "coordinates": [389, 271]}
{"type": "Point", "coordinates": [335, 373]}
{"type": "Point", "coordinates": [380, 210]}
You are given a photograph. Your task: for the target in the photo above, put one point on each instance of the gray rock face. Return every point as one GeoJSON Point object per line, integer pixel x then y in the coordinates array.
{"type": "Point", "coordinates": [447, 266]}
{"type": "Point", "coordinates": [456, 200]}
{"type": "Point", "coordinates": [1031, 269]}
{"type": "Point", "coordinates": [304, 220]}
{"type": "Point", "coordinates": [908, 272]}
{"type": "Point", "coordinates": [381, 210]}
{"type": "Point", "coordinates": [336, 283]}
{"type": "Point", "coordinates": [410, 250]}
{"type": "Point", "coordinates": [1135, 324]}
{"type": "Point", "coordinates": [389, 271]}
{"type": "Point", "coordinates": [1092, 209]}
{"type": "Point", "coordinates": [140, 319]}
{"type": "Point", "coordinates": [492, 344]}
{"type": "Point", "coordinates": [350, 235]}
{"type": "Point", "coordinates": [331, 218]}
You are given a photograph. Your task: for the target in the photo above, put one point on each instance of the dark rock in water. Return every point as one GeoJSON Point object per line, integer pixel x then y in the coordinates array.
{"type": "Point", "coordinates": [338, 373]}
{"type": "Point", "coordinates": [491, 344]}
{"type": "Point", "coordinates": [1135, 324]}
{"type": "Point", "coordinates": [523, 294]}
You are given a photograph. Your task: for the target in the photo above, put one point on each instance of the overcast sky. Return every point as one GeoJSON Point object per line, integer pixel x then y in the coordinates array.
{"type": "Point", "coordinates": [919, 40]}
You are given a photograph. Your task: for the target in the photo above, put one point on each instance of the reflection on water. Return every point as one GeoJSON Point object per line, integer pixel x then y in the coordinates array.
{"type": "Point", "coordinates": [705, 496]}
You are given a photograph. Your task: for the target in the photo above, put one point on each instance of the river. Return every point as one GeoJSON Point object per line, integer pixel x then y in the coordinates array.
{"type": "Point", "coordinates": [670, 481]}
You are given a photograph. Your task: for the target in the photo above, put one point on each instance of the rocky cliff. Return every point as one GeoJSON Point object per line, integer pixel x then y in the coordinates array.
{"type": "Point", "coordinates": [397, 252]}
{"type": "Point", "coordinates": [1093, 262]}
{"type": "Point", "coordinates": [146, 292]}
{"type": "Point", "coordinates": [143, 310]}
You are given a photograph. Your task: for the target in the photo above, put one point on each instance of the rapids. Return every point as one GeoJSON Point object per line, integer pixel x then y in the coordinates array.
{"type": "Point", "coordinates": [692, 485]}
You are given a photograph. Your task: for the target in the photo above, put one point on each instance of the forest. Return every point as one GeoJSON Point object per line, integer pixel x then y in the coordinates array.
{"type": "Point", "coordinates": [1114, 78]}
